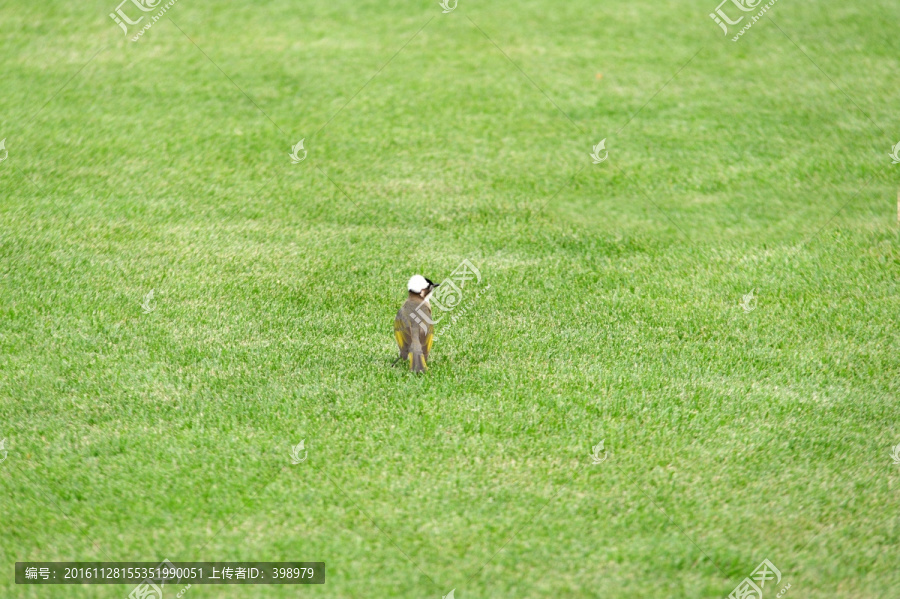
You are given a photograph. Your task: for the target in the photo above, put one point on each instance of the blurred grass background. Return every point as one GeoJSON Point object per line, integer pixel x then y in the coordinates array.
{"type": "Point", "coordinates": [613, 311]}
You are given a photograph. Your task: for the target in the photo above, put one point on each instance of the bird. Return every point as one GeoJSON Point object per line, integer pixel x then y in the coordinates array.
{"type": "Point", "coordinates": [413, 326]}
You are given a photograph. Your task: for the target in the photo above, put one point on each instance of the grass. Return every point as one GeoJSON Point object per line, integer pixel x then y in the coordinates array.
{"type": "Point", "coordinates": [613, 311]}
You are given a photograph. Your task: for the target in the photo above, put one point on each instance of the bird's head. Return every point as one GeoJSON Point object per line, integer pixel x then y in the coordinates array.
{"type": "Point", "coordinates": [419, 285]}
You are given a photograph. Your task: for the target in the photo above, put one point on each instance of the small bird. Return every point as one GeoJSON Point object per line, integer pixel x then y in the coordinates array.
{"type": "Point", "coordinates": [413, 326]}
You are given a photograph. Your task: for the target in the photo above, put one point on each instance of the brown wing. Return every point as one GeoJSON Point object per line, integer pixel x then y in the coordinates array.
{"type": "Point", "coordinates": [400, 333]}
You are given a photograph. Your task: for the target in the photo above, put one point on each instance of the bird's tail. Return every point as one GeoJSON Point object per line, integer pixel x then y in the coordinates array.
{"type": "Point", "coordinates": [417, 358]}
{"type": "Point", "coordinates": [417, 361]}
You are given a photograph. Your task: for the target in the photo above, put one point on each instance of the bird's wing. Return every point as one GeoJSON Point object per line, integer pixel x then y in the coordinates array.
{"type": "Point", "coordinates": [428, 340]}
{"type": "Point", "coordinates": [399, 333]}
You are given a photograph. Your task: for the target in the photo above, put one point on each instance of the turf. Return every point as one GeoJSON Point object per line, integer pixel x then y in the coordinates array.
{"type": "Point", "coordinates": [609, 306]}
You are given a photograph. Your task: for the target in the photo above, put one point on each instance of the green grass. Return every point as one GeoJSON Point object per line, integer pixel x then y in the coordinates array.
{"type": "Point", "coordinates": [613, 311]}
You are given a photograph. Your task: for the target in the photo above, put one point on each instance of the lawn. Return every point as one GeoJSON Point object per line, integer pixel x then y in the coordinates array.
{"type": "Point", "coordinates": [716, 301]}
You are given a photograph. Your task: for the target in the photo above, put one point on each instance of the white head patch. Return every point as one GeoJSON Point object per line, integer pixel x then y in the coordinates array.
{"type": "Point", "coordinates": [417, 283]}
